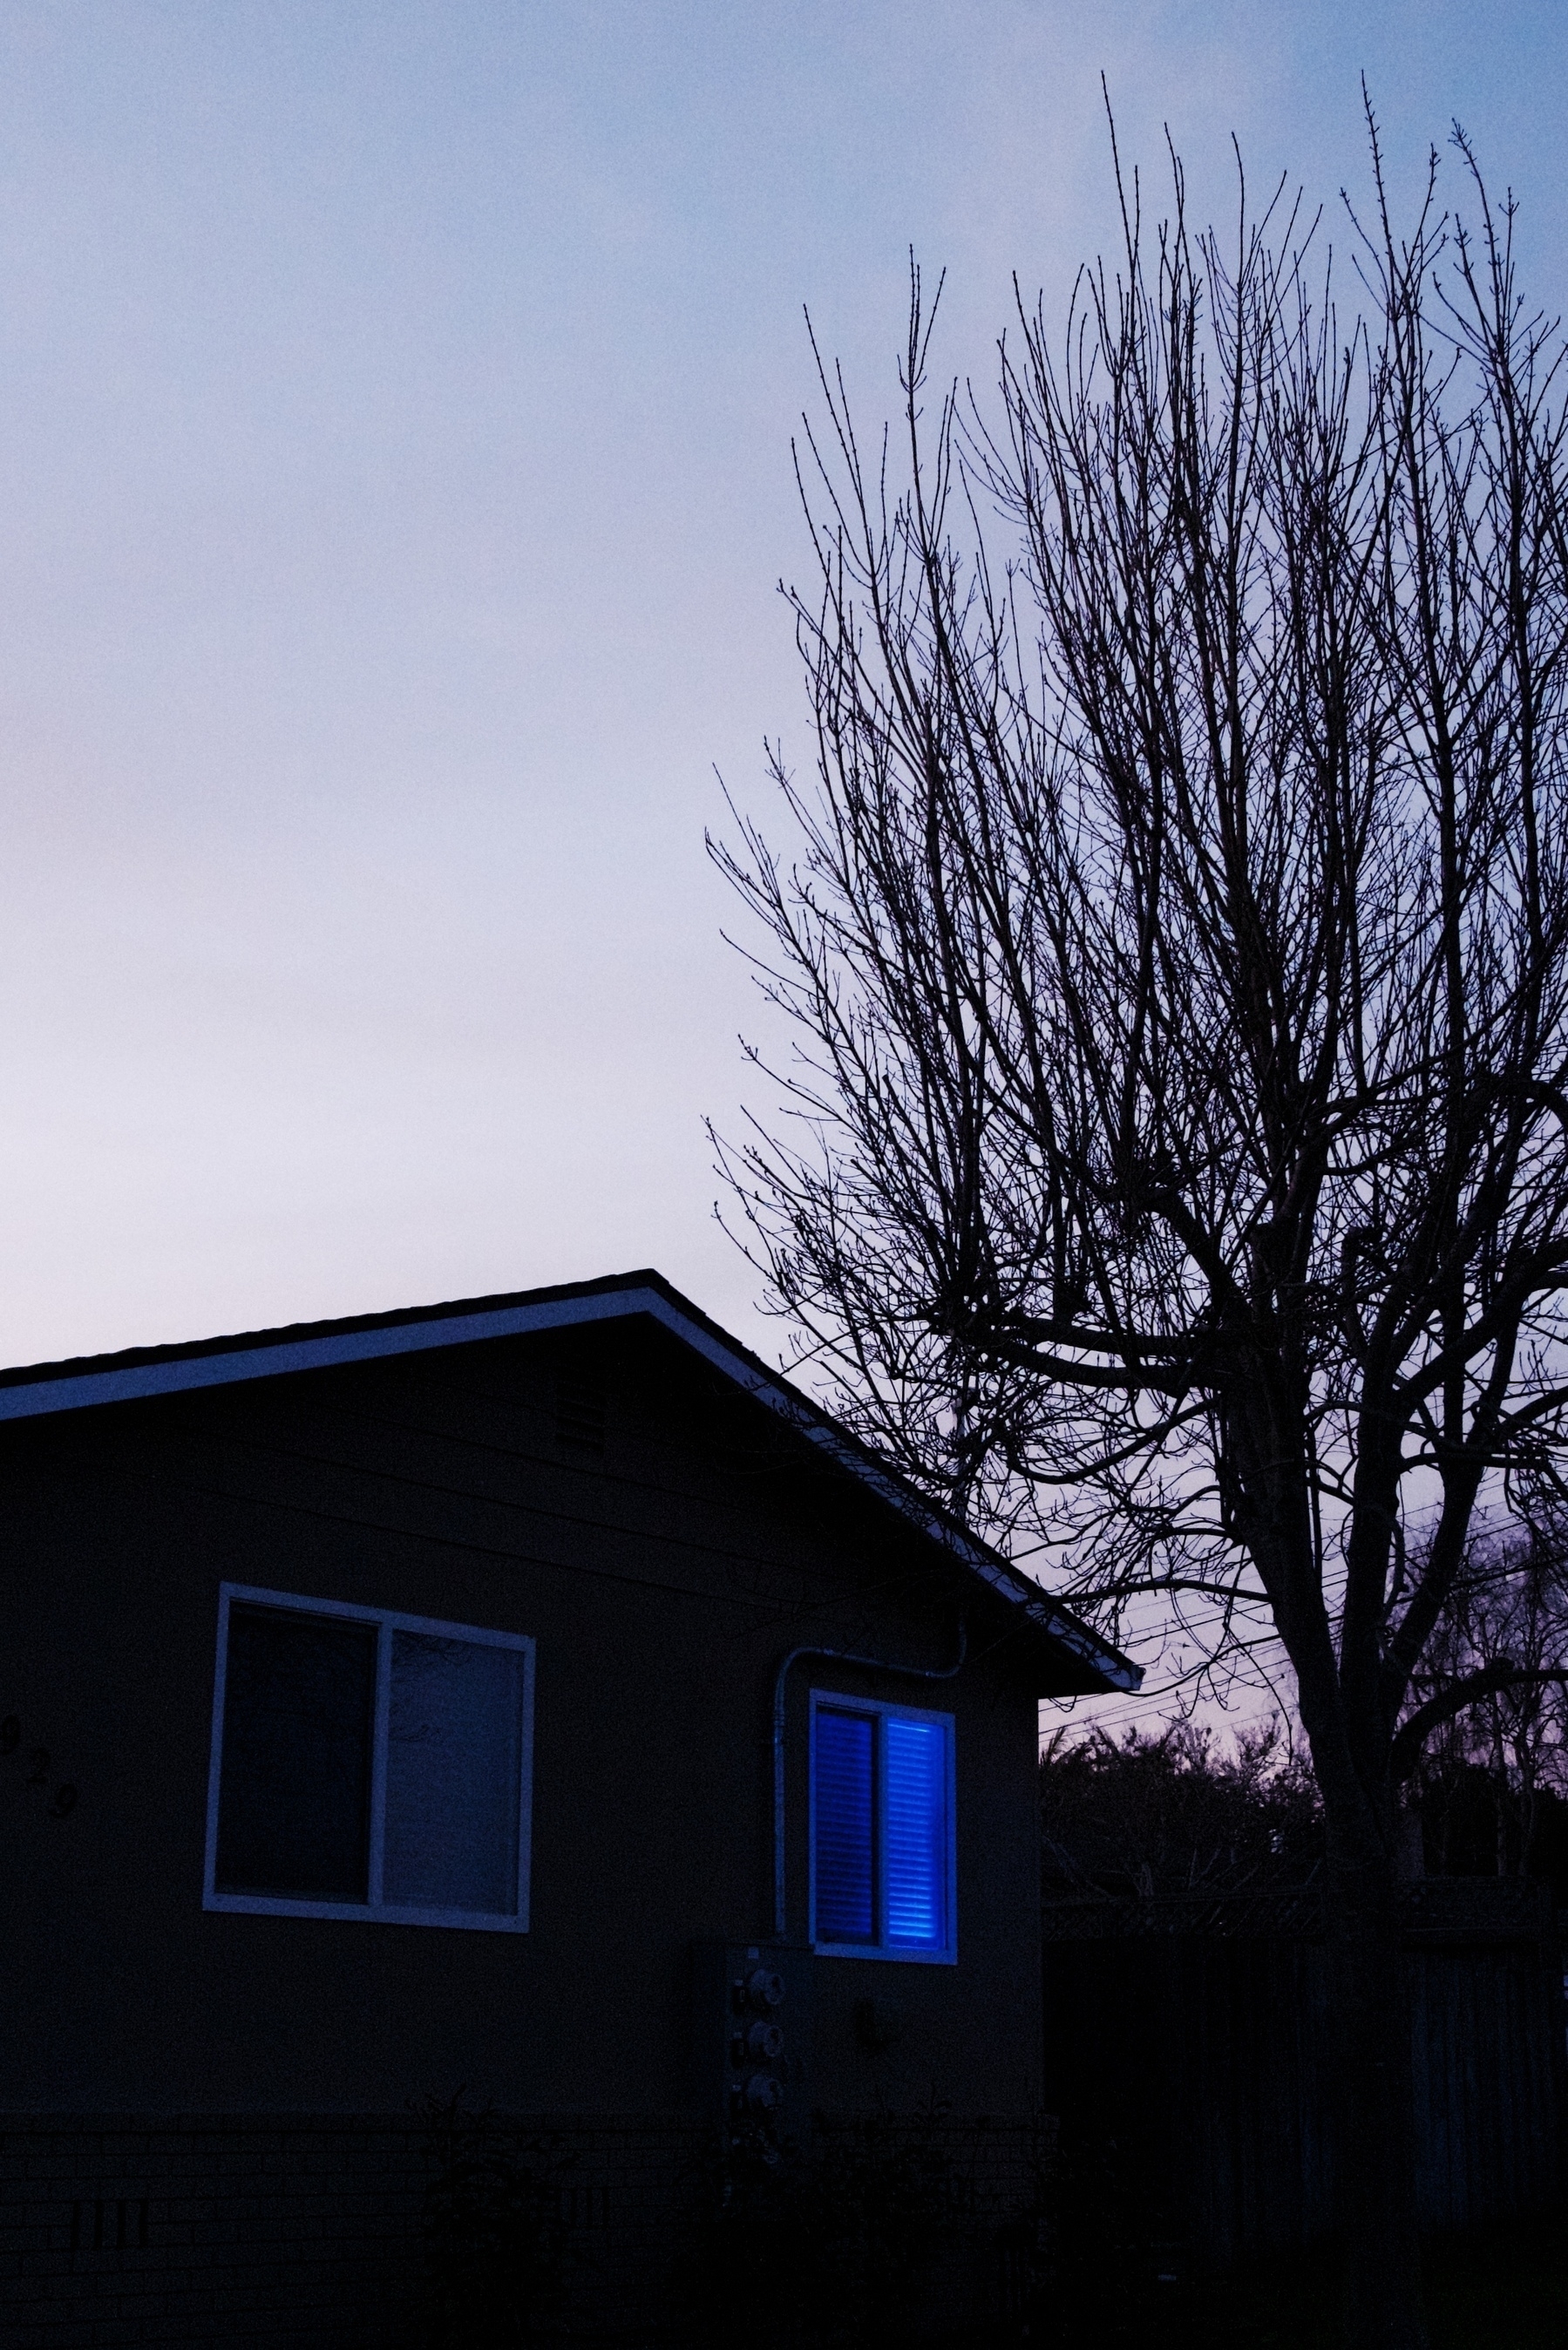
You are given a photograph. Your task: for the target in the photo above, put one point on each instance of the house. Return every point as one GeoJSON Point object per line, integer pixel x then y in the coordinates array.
{"type": "Point", "coordinates": [533, 1701]}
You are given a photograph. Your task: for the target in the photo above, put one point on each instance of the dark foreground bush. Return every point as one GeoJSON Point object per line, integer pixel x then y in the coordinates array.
{"type": "Point", "coordinates": [495, 2242]}
{"type": "Point", "coordinates": [838, 2246]}
{"type": "Point", "coordinates": [873, 2233]}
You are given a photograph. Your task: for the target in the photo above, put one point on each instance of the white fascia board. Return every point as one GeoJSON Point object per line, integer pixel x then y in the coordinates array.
{"type": "Point", "coordinates": [139, 1380]}
{"type": "Point", "coordinates": [135, 1382]}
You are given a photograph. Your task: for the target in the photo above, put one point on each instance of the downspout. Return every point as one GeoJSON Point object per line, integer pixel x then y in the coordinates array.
{"type": "Point", "coordinates": [834, 1656]}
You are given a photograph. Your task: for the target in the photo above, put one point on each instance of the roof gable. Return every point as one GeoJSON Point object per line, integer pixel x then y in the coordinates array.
{"type": "Point", "coordinates": [140, 1373]}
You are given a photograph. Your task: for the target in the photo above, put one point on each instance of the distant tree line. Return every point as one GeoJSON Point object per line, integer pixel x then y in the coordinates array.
{"type": "Point", "coordinates": [1182, 1811]}
{"type": "Point", "coordinates": [1490, 1786]}
{"type": "Point", "coordinates": [1177, 1811]}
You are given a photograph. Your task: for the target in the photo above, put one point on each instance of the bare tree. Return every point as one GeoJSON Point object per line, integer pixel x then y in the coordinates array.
{"type": "Point", "coordinates": [1173, 1171]}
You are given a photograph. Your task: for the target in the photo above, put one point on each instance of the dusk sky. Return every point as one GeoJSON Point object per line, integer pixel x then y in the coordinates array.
{"type": "Point", "coordinates": [395, 417]}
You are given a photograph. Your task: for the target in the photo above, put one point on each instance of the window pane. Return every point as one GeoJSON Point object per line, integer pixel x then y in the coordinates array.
{"type": "Point", "coordinates": [294, 1798]}
{"type": "Point", "coordinates": [845, 1873]}
{"type": "Point", "coordinates": [454, 1763]}
{"type": "Point", "coordinates": [917, 1832]}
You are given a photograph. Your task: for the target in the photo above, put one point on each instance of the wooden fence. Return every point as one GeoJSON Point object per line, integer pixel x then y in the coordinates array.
{"type": "Point", "coordinates": [1195, 2035]}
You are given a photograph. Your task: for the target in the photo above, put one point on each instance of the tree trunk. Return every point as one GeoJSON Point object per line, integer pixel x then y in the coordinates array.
{"type": "Point", "coordinates": [1375, 2147]}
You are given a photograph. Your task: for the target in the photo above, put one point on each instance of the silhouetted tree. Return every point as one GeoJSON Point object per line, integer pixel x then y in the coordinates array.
{"type": "Point", "coordinates": [1171, 1812]}
{"type": "Point", "coordinates": [1174, 1175]}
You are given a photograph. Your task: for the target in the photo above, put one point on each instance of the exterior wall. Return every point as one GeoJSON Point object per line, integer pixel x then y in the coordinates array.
{"type": "Point", "coordinates": [663, 1582]}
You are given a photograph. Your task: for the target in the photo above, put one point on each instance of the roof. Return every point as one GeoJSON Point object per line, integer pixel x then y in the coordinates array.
{"type": "Point", "coordinates": [89, 1382]}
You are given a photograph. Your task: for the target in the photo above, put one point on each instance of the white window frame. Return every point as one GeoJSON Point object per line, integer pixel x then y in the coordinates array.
{"type": "Point", "coordinates": [900, 1953]}
{"type": "Point", "coordinates": [373, 1911]}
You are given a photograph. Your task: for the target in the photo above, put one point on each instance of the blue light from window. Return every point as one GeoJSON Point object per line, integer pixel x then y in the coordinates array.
{"type": "Point", "coordinates": [916, 1814]}
{"type": "Point", "coordinates": [846, 1857]}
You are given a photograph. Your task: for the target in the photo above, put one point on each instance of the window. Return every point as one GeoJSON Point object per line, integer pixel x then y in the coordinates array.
{"type": "Point", "coordinates": [881, 1831]}
{"type": "Point", "coordinates": [367, 1765]}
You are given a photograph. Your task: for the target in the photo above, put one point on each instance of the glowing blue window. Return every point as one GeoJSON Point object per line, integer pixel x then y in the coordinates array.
{"type": "Point", "coordinates": [882, 1830]}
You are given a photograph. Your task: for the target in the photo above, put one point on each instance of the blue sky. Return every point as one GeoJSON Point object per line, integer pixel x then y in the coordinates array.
{"type": "Point", "coordinates": [395, 407]}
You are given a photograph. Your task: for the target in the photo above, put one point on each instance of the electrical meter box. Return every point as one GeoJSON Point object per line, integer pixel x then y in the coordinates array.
{"type": "Point", "coordinates": [751, 2040]}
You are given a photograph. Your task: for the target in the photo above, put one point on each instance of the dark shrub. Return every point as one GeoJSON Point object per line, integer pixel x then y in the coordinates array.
{"type": "Point", "coordinates": [493, 2235]}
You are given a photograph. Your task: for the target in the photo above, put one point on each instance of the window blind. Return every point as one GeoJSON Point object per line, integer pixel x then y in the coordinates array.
{"type": "Point", "coordinates": [915, 1769]}
{"type": "Point", "coordinates": [846, 1846]}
